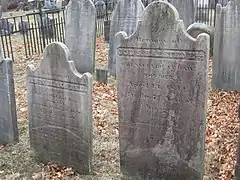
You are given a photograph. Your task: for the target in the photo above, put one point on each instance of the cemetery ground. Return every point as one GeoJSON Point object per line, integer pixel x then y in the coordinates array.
{"type": "Point", "coordinates": [17, 161]}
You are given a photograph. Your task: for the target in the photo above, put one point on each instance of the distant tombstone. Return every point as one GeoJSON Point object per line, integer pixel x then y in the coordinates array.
{"type": "Point", "coordinates": [226, 64]}
{"type": "Point", "coordinates": [23, 26]}
{"type": "Point", "coordinates": [47, 4]}
{"type": "Point", "coordinates": [6, 26]}
{"type": "Point", "coordinates": [8, 114]}
{"type": "Point", "coordinates": [125, 17]}
{"type": "Point", "coordinates": [106, 30]}
{"type": "Point", "coordinates": [4, 5]}
{"type": "Point", "coordinates": [20, 6]}
{"type": "Point", "coordinates": [197, 28]}
{"type": "Point", "coordinates": [100, 8]}
{"type": "Point", "coordinates": [162, 92]}
{"type": "Point", "coordinates": [80, 34]}
{"type": "Point", "coordinates": [60, 110]}
{"type": "Point", "coordinates": [59, 4]}
{"type": "Point", "coordinates": [186, 9]}
{"type": "Point", "coordinates": [47, 27]}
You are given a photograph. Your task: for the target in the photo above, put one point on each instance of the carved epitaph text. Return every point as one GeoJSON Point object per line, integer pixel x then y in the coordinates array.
{"type": "Point", "coordinates": [80, 34]}
{"type": "Point", "coordinates": [226, 64]}
{"type": "Point", "coordinates": [59, 102]}
{"type": "Point", "coordinates": [125, 17]}
{"type": "Point", "coordinates": [8, 115]}
{"type": "Point", "coordinates": [162, 74]}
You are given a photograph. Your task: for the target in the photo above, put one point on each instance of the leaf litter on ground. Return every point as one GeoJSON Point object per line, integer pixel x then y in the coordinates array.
{"type": "Point", "coordinates": [221, 132]}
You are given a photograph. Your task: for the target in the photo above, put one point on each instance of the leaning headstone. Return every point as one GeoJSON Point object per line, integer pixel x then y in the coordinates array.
{"type": "Point", "coordinates": [226, 64]}
{"type": "Point", "coordinates": [80, 34]}
{"type": "Point", "coordinates": [60, 110]}
{"type": "Point", "coordinates": [186, 9]}
{"type": "Point", "coordinates": [162, 93]}
{"type": "Point", "coordinates": [125, 17]}
{"type": "Point", "coordinates": [8, 114]}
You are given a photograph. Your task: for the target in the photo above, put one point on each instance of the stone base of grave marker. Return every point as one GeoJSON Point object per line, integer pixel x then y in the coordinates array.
{"type": "Point", "coordinates": [102, 75]}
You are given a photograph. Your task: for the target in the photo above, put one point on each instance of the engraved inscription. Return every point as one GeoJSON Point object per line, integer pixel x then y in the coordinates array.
{"type": "Point", "coordinates": [161, 53]}
{"type": "Point", "coordinates": [57, 84]}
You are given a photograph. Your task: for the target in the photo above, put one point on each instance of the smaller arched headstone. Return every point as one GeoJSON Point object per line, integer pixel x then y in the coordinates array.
{"type": "Point", "coordinates": [60, 110]}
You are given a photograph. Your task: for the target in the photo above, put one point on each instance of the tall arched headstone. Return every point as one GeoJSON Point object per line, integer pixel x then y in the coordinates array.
{"type": "Point", "coordinates": [162, 96]}
{"type": "Point", "coordinates": [80, 34]}
{"type": "Point", "coordinates": [186, 10]}
{"type": "Point", "coordinates": [124, 18]}
{"type": "Point", "coordinates": [60, 110]}
{"type": "Point", "coordinates": [226, 64]}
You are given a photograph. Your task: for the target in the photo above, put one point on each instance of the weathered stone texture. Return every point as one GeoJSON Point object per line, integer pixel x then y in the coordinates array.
{"type": "Point", "coordinates": [162, 93]}
{"type": "Point", "coordinates": [226, 64]}
{"type": "Point", "coordinates": [80, 34]}
{"type": "Point", "coordinates": [125, 17]}
{"type": "Point", "coordinates": [60, 110]}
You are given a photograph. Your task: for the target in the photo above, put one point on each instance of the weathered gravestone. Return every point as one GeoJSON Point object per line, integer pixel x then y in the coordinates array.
{"type": "Point", "coordinates": [60, 110]}
{"type": "Point", "coordinates": [162, 93]}
{"type": "Point", "coordinates": [186, 9]}
{"type": "Point", "coordinates": [80, 33]}
{"type": "Point", "coordinates": [6, 26]}
{"type": "Point", "coordinates": [8, 115]}
{"type": "Point", "coordinates": [124, 18]}
{"type": "Point", "coordinates": [226, 64]}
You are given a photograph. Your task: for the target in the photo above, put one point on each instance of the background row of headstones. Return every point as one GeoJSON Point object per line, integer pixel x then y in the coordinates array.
{"type": "Point", "coordinates": [162, 89]}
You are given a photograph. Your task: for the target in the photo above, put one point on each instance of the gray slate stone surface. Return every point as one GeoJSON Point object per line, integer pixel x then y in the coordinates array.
{"type": "Point", "coordinates": [186, 10]}
{"type": "Point", "coordinates": [226, 64]}
{"type": "Point", "coordinates": [8, 114]}
{"type": "Point", "coordinates": [162, 93]}
{"type": "Point", "coordinates": [60, 110]}
{"type": "Point", "coordinates": [124, 18]}
{"type": "Point", "coordinates": [80, 34]}
{"type": "Point", "coordinates": [197, 28]}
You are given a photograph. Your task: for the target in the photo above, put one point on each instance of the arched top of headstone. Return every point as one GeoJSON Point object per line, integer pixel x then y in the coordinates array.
{"type": "Point", "coordinates": [88, 4]}
{"type": "Point", "coordinates": [229, 4]}
{"type": "Point", "coordinates": [56, 64]}
{"type": "Point", "coordinates": [159, 20]}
